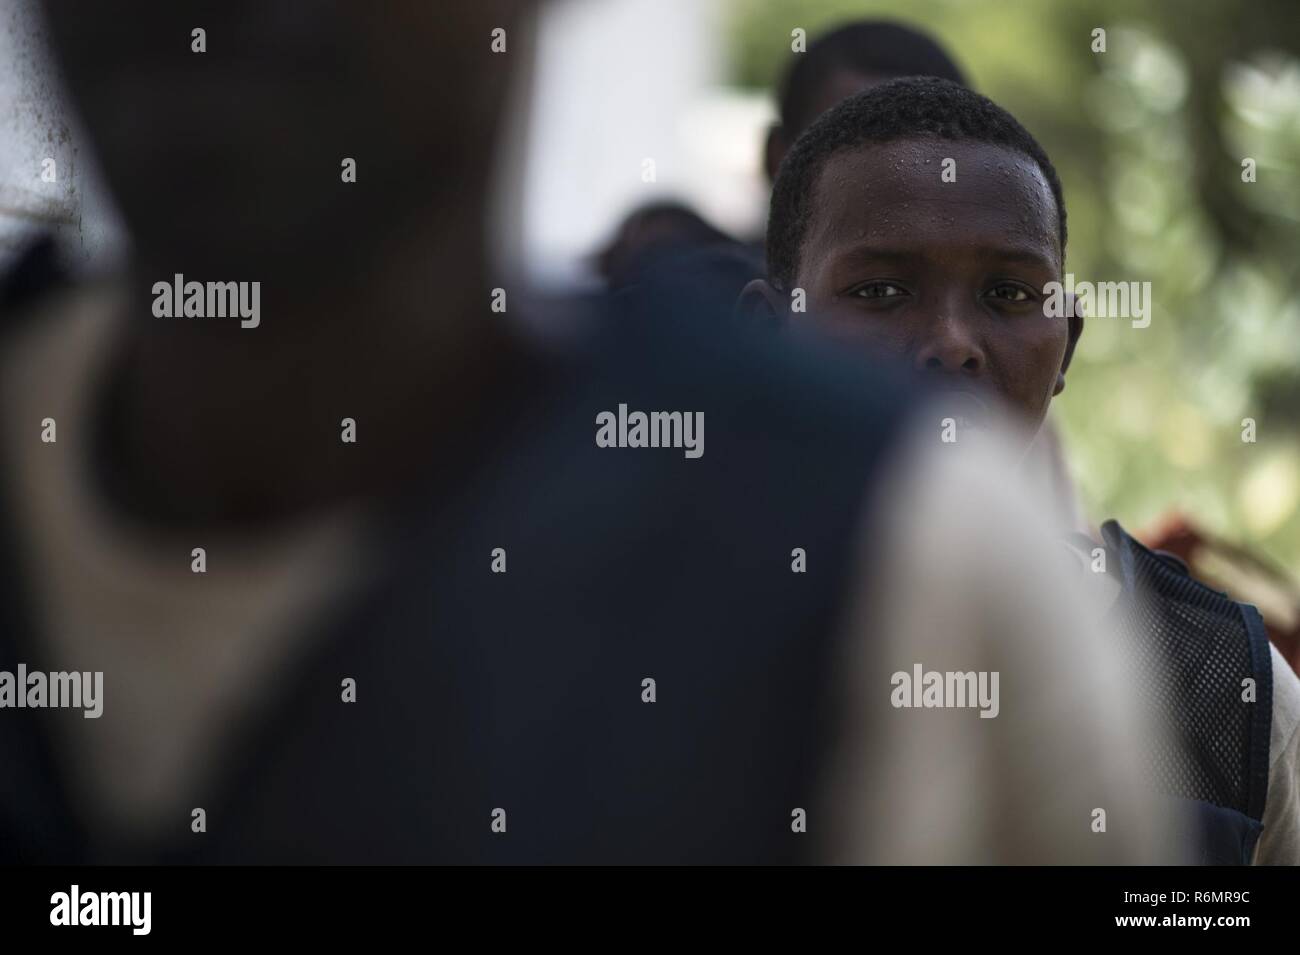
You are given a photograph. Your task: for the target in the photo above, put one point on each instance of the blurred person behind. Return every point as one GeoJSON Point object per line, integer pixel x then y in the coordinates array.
{"type": "Point", "coordinates": [852, 57]}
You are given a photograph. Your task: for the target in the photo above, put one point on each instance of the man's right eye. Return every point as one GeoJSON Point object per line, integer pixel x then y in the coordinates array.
{"type": "Point", "coordinates": [878, 290]}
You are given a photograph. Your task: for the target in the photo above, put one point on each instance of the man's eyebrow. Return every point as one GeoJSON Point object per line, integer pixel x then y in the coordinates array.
{"type": "Point", "coordinates": [866, 252]}
{"type": "Point", "coordinates": [1022, 257]}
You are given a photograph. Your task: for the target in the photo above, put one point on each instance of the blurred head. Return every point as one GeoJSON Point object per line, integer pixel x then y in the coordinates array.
{"type": "Point", "coordinates": [234, 155]}
{"type": "Point", "coordinates": [651, 230]}
{"type": "Point", "coordinates": [945, 272]}
{"type": "Point", "coordinates": [848, 60]}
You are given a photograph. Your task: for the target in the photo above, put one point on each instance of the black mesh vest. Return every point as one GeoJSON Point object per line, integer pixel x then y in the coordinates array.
{"type": "Point", "coordinates": [1192, 649]}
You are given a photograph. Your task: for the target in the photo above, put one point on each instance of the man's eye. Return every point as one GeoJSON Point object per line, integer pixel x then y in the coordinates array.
{"type": "Point", "coordinates": [879, 290]}
{"type": "Point", "coordinates": [1010, 293]}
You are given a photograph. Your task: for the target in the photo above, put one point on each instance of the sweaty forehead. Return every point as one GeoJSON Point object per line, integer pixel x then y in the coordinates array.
{"type": "Point", "coordinates": [896, 195]}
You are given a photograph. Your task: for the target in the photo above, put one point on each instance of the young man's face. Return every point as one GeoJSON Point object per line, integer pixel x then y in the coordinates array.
{"type": "Point", "coordinates": [948, 275]}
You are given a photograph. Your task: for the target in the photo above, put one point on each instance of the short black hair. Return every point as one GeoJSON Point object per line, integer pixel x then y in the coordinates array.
{"type": "Point", "coordinates": [871, 47]}
{"type": "Point", "coordinates": [911, 108]}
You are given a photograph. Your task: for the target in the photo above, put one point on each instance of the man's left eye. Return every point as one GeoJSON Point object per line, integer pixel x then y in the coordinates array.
{"type": "Point", "coordinates": [878, 290]}
{"type": "Point", "coordinates": [1010, 293]}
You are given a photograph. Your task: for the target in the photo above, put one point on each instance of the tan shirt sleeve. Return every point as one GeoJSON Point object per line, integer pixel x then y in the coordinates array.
{"type": "Point", "coordinates": [964, 574]}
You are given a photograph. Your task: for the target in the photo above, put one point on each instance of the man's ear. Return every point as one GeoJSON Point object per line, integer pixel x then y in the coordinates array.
{"type": "Point", "coordinates": [761, 304]}
{"type": "Point", "coordinates": [774, 150]}
{"type": "Point", "coordinates": [1074, 327]}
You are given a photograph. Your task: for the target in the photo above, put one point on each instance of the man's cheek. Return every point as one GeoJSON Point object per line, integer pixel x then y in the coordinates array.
{"type": "Point", "coordinates": [1043, 350]}
{"type": "Point", "coordinates": [871, 333]}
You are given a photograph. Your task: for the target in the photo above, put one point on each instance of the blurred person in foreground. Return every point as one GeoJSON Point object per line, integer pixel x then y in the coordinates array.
{"type": "Point", "coordinates": [920, 220]}
{"type": "Point", "coordinates": [487, 629]}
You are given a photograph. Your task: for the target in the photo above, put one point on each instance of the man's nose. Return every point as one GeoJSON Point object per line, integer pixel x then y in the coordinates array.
{"type": "Point", "coordinates": [950, 347]}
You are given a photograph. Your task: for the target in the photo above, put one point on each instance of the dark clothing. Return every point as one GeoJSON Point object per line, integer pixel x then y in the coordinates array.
{"type": "Point", "coordinates": [35, 271]}
{"type": "Point", "coordinates": [713, 275]}
{"type": "Point", "coordinates": [523, 690]}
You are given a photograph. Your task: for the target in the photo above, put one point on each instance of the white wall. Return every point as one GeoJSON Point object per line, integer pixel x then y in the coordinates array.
{"type": "Point", "coordinates": [36, 124]}
{"type": "Point", "coordinates": [619, 82]}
